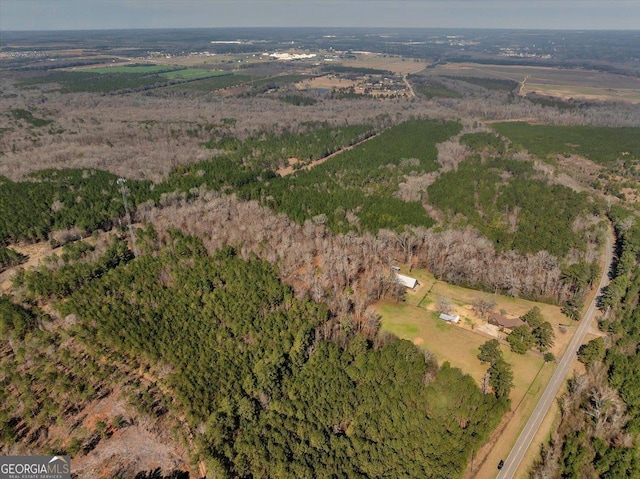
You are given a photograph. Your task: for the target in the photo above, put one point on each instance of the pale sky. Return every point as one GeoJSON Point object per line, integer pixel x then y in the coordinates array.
{"type": "Point", "coordinates": [115, 14]}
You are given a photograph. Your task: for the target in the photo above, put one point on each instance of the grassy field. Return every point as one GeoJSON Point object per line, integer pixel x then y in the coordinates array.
{"type": "Point", "coordinates": [457, 345]}
{"type": "Point", "coordinates": [582, 92]}
{"type": "Point", "coordinates": [401, 66]}
{"type": "Point", "coordinates": [326, 82]}
{"type": "Point", "coordinates": [430, 290]}
{"type": "Point", "coordinates": [131, 69]}
{"type": "Point", "coordinates": [415, 320]}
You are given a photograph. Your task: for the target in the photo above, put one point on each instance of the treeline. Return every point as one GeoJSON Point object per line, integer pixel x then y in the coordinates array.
{"type": "Point", "coordinates": [353, 191]}
{"type": "Point", "coordinates": [75, 81]}
{"type": "Point", "coordinates": [27, 116]}
{"type": "Point", "coordinates": [484, 142]}
{"type": "Point", "coordinates": [360, 71]}
{"type": "Point", "coordinates": [350, 272]}
{"type": "Point", "coordinates": [243, 359]}
{"type": "Point", "coordinates": [489, 83]}
{"type": "Point", "coordinates": [88, 199]}
{"type": "Point", "coordinates": [600, 413]}
{"type": "Point", "coordinates": [47, 283]}
{"type": "Point", "coordinates": [119, 79]}
{"type": "Point", "coordinates": [85, 199]}
{"type": "Point", "coordinates": [299, 100]}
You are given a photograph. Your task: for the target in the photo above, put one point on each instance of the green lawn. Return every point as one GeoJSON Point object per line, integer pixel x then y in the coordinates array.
{"type": "Point", "coordinates": [453, 343]}
{"type": "Point", "coordinates": [131, 69]}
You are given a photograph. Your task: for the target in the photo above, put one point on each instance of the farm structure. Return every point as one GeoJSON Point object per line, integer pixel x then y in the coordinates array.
{"type": "Point", "coordinates": [450, 318]}
{"type": "Point", "coordinates": [502, 321]}
{"type": "Point", "coordinates": [406, 281]}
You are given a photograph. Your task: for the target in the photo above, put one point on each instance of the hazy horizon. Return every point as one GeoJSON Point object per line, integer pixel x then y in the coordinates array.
{"type": "Point", "coordinates": [48, 15]}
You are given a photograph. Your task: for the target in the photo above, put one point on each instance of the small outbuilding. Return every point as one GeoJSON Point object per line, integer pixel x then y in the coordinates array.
{"type": "Point", "coordinates": [406, 281]}
{"type": "Point", "coordinates": [450, 318]}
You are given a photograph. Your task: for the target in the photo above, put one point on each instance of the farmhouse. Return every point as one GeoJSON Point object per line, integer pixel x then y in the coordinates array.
{"type": "Point", "coordinates": [450, 318]}
{"type": "Point", "coordinates": [498, 319]}
{"type": "Point", "coordinates": [406, 281]}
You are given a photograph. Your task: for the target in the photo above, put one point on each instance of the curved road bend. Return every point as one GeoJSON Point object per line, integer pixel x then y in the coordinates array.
{"type": "Point", "coordinates": [512, 462]}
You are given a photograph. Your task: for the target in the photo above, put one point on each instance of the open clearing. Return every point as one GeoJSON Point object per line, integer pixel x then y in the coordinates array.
{"type": "Point", "coordinates": [430, 290]}
{"type": "Point", "coordinates": [401, 66]}
{"type": "Point", "coordinates": [560, 82]}
{"type": "Point", "coordinates": [415, 319]}
{"type": "Point", "coordinates": [35, 253]}
{"type": "Point", "coordinates": [459, 346]}
{"type": "Point", "coordinates": [326, 82]}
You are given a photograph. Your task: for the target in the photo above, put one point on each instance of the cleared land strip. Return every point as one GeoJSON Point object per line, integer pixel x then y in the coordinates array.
{"type": "Point", "coordinates": [288, 170]}
{"type": "Point", "coordinates": [409, 87]}
{"type": "Point", "coordinates": [521, 446]}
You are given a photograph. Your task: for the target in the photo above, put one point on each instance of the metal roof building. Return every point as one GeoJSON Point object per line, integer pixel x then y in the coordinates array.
{"type": "Point", "coordinates": [406, 281]}
{"type": "Point", "coordinates": [450, 318]}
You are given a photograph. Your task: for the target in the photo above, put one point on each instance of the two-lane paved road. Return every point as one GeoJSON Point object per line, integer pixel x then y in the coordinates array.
{"type": "Point", "coordinates": [531, 428]}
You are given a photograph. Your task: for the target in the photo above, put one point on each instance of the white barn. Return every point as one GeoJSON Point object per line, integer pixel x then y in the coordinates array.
{"type": "Point", "coordinates": [406, 281]}
{"type": "Point", "coordinates": [450, 318]}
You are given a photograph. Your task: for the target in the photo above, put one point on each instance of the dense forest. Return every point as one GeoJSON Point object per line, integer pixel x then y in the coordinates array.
{"type": "Point", "coordinates": [356, 190]}
{"type": "Point", "coordinates": [50, 200]}
{"type": "Point", "coordinates": [500, 198]}
{"type": "Point", "coordinates": [373, 187]}
{"type": "Point", "coordinates": [601, 145]}
{"type": "Point", "coordinates": [281, 401]}
{"type": "Point", "coordinates": [600, 413]}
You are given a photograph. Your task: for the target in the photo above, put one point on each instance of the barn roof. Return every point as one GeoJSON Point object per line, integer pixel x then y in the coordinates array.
{"type": "Point", "coordinates": [452, 318]}
{"type": "Point", "coordinates": [406, 281]}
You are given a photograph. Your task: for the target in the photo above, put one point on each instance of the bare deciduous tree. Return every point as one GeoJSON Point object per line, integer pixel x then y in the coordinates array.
{"type": "Point", "coordinates": [483, 306]}
{"type": "Point", "coordinates": [443, 305]}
